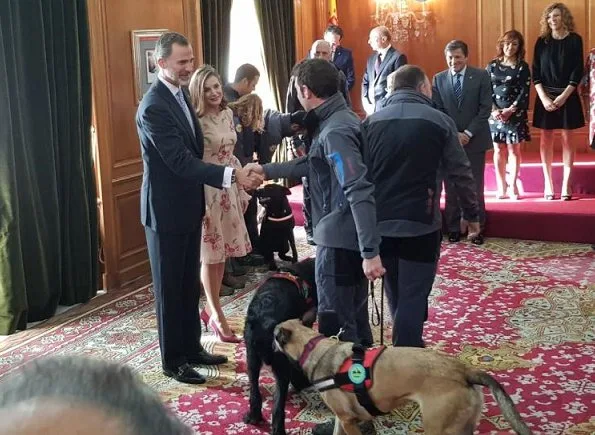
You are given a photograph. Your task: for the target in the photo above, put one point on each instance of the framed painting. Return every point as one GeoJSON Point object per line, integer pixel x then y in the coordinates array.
{"type": "Point", "coordinates": [145, 66]}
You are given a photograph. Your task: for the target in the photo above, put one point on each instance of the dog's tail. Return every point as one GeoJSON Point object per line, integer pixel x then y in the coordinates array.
{"type": "Point", "coordinates": [478, 377]}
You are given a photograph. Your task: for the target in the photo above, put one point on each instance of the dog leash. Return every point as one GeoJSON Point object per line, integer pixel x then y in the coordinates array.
{"type": "Point", "coordinates": [379, 313]}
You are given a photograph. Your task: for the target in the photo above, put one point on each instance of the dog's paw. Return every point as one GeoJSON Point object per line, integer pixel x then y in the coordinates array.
{"type": "Point", "coordinates": [249, 418]}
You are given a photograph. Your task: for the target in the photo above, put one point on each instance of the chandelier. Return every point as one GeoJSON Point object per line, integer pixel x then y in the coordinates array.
{"type": "Point", "coordinates": [404, 23]}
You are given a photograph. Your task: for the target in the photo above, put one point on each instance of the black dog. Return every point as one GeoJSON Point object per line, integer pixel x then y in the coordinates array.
{"type": "Point", "coordinates": [276, 230]}
{"type": "Point", "coordinates": [281, 297]}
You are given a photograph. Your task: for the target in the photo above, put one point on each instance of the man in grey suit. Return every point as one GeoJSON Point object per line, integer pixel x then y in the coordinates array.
{"type": "Point", "coordinates": [465, 94]}
{"type": "Point", "coordinates": [380, 64]}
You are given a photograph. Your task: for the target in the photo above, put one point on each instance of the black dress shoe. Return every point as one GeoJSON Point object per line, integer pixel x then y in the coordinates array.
{"type": "Point", "coordinates": [205, 358]}
{"type": "Point", "coordinates": [477, 240]}
{"type": "Point", "coordinates": [454, 237]}
{"type": "Point", "coordinates": [185, 374]}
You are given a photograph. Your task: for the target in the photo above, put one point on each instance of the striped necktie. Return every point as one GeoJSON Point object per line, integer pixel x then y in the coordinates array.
{"type": "Point", "coordinates": [458, 89]}
{"type": "Point", "coordinates": [182, 102]}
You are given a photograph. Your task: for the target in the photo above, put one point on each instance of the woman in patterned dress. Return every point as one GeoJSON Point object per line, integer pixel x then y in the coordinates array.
{"type": "Point", "coordinates": [223, 231]}
{"type": "Point", "coordinates": [511, 79]}
{"type": "Point", "coordinates": [557, 71]}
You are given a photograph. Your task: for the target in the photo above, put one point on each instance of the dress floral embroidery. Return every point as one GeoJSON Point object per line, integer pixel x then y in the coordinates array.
{"type": "Point", "coordinates": [510, 85]}
{"type": "Point", "coordinates": [589, 87]}
{"type": "Point", "coordinates": [224, 232]}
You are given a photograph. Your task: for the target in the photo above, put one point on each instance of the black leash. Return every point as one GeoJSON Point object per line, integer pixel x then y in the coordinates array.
{"type": "Point", "coordinates": [379, 313]}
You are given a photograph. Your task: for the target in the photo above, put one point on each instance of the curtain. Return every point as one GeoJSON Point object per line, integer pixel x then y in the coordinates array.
{"type": "Point", "coordinates": [48, 214]}
{"type": "Point", "coordinates": [276, 26]}
{"type": "Point", "coordinates": [276, 18]}
{"type": "Point", "coordinates": [215, 17]}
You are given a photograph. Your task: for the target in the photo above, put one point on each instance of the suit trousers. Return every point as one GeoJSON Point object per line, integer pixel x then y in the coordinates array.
{"type": "Point", "coordinates": [174, 266]}
{"type": "Point", "coordinates": [342, 295]}
{"type": "Point", "coordinates": [452, 209]}
{"type": "Point", "coordinates": [411, 264]}
{"type": "Point", "coordinates": [251, 220]}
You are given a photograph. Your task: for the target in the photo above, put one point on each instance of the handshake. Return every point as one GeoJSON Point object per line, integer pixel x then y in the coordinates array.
{"type": "Point", "coordinates": [251, 176]}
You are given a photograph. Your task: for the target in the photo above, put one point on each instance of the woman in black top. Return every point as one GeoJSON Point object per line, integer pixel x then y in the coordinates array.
{"type": "Point", "coordinates": [557, 70]}
{"type": "Point", "coordinates": [511, 79]}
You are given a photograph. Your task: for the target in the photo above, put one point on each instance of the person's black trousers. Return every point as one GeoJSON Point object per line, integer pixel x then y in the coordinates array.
{"type": "Point", "coordinates": [411, 264]}
{"type": "Point", "coordinates": [251, 220]}
{"type": "Point", "coordinates": [175, 268]}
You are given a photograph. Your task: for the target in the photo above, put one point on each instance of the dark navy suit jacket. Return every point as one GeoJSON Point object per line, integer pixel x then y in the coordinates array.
{"type": "Point", "coordinates": [344, 61]}
{"type": "Point", "coordinates": [172, 194]}
{"type": "Point", "coordinates": [374, 85]}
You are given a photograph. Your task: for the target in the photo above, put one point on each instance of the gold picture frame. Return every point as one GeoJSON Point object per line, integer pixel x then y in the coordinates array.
{"type": "Point", "coordinates": [145, 67]}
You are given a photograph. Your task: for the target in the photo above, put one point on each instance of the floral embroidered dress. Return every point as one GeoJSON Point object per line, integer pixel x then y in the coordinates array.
{"type": "Point", "coordinates": [510, 86]}
{"type": "Point", "coordinates": [224, 232]}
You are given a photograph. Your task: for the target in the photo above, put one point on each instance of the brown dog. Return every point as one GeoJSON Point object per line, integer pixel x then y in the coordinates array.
{"type": "Point", "coordinates": [442, 386]}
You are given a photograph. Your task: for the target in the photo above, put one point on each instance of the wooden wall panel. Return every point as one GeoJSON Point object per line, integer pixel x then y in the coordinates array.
{"type": "Point", "coordinates": [477, 22]}
{"type": "Point", "coordinates": [114, 108]}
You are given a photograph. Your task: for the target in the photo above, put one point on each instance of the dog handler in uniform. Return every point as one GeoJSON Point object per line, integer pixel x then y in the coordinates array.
{"type": "Point", "coordinates": [343, 207]}
{"type": "Point", "coordinates": [405, 145]}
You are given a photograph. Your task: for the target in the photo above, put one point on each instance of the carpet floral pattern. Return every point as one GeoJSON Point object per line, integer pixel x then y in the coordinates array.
{"type": "Point", "coordinates": [525, 311]}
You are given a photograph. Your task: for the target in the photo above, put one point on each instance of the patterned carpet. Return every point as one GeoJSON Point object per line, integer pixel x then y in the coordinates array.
{"type": "Point", "coordinates": [525, 311]}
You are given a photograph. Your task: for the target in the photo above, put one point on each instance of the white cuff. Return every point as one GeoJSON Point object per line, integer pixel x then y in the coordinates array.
{"type": "Point", "coordinates": [468, 133]}
{"type": "Point", "coordinates": [227, 177]}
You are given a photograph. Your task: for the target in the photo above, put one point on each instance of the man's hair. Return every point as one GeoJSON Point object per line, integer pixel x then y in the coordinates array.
{"type": "Point", "coordinates": [383, 31]}
{"type": "Point", "coordinates": [246, 71]}
{"type": "Point", "coordinates": [163, 47]}
{"type": "Point", "coordinates": [406, 77]}
{"type": "Point", "coordinates": [455, 44]}
{"type": "Point", "coordinates": [111, 388]}
{"type": "Point", "coordinates": [335, 30]}
{"type": "Point", "coordinates": [319, 75]}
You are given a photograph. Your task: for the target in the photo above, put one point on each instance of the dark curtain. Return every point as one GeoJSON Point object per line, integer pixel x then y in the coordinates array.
{"type": "Point", "coordinates": [276, 26]}
{"type": "Point", "coordinates": [215, 34]}
{"type": "Point", "coordinates": [48, 214]}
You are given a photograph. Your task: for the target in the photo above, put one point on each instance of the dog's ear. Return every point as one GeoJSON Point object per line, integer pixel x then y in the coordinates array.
{"type": "Point", "coordinates": [283, 336]}
{"type": "Point", "coordinates": [287, 191]}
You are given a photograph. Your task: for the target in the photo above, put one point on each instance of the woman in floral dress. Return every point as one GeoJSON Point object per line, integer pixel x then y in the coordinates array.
{"type": "Point", "coordinates": [511, 79]}
{"type": "Point", "coordinates": [224, 231]}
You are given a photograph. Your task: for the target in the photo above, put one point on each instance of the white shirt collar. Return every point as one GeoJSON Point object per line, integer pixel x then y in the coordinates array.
{"type": "Point", "coordinates": [461, 72]}
{"type": "Point", "coordinates": [172, 88]}
{"type": "Point", "coordinates": [382, 52]}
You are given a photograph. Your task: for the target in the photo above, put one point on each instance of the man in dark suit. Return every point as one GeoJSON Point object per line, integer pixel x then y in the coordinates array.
{"type": "Point", "coordinates": [380, 64]}
{"type": "Point", "coordinates": [465, 94]}
{"type": "Point", "coordinates": [172, 206]}
{"type": "Point", "coordinates": [342, 57]}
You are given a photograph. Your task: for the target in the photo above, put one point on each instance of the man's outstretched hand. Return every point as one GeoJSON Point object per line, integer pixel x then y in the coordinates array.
{"type": "Point", "coordinates": [248, 178]}
{"type": "Point", "coordinates": [256, 169]}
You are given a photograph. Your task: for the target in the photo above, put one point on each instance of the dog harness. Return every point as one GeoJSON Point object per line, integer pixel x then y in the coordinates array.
{"type": "Point", "coordinates": [354, 375]}
{"type": "Point", "coordinates": [302, 285]}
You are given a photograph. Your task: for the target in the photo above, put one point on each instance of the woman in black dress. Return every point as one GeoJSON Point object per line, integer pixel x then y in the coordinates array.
{"type": "Point", "coordinates": [511, 80]}
{"type": "Point", "coordinates": [557, 70]}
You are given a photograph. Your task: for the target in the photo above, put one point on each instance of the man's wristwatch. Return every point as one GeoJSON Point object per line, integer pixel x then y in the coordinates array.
{"type": "Point", "coordinates": [233, 176]}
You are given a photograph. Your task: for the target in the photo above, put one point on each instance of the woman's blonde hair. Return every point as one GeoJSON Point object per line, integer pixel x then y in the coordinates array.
{"type": "Point", "coordinates": [197, 88]}
{"type": "Point", "coordinates": [567, 19]}
{"type": "Point", "coordinates": [249, 109]}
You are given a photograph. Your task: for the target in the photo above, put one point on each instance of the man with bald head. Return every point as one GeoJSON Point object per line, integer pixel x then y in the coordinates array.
{"type": "Point", "coordinates": [72, 395]}
{"type": "Point", "coordinates": [320, 49]}
{"type": "Point", "coordinates": [384, 61]}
